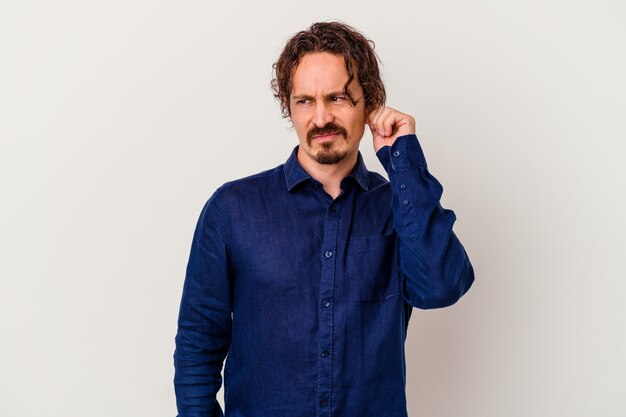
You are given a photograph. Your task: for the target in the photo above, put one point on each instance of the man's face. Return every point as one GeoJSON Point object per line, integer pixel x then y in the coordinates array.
{"type": "Point", "coordinates": [328, 126]}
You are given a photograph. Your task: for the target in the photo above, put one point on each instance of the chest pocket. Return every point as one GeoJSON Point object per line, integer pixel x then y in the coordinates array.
{"type": "Point", "coordinates": [371, 269]}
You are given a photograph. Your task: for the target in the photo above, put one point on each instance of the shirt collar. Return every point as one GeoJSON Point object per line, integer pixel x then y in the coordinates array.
{"type": "Point", "coordinates": [295, 174]}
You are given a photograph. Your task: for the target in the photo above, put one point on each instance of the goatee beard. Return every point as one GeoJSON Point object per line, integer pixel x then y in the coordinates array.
{"type": "Point", "coordinates": [327, 156]}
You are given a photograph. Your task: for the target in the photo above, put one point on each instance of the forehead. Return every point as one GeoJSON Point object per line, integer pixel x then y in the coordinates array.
{"type": "Point", "coordinates": [319, 73]}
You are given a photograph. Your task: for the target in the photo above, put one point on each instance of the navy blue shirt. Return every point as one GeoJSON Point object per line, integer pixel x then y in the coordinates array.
{"type": "Point", "coordinates": [311, 297]}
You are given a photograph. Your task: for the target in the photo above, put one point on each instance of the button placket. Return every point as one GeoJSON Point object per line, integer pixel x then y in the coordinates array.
{"type": "Point", "coordinates": [326, 314]}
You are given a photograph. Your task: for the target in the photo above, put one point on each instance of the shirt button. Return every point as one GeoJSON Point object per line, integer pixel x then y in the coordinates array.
{"type": "Point", "coordinates": [396, 154]}
{"type": "Point", "coordinates": [405, 202]}
{"type": "Point", "coordinates": [324, 353]}
{"type": "Point", "coordinates": [402, 186]}
{"type": "Point", "coordinates": [328, 253]}
{"type": "Point", "coordinates": [333, 208]}
{"type": "Point", "coordinates": [326, 302]}
{"type": "Point", "coordinates": [323, 403]}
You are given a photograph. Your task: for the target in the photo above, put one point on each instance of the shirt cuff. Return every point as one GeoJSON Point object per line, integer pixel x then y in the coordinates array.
{"type": "Point", "coordinates": [404, 153]}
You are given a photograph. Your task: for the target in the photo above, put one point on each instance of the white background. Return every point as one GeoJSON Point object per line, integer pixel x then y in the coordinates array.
{"type": "Point", "coordinates": [118, 119]}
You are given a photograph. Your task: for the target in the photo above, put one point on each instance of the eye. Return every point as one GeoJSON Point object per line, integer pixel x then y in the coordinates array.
{"type": "Point", "coordinates": [337, 98]}
{"type": "Point", "coordinates": [303, 101]}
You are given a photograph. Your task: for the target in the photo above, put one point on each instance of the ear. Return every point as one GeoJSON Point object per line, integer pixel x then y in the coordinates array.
{"type": "Point", "coordinates": [369, 108]}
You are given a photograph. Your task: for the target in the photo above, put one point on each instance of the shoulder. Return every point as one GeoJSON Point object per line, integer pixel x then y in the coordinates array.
{"type": "Point", "coordinates": [236, 196]}
{"type": "Point", "coordinates": [249, 186]}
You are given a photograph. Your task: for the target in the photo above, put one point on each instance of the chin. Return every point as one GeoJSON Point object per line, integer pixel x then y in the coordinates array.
{"type": "Point", "coordinates": [329, 158]}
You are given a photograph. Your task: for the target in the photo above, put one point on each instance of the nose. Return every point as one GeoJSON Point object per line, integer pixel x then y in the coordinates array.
{"type": "Point", "coordinates": [323, 114]}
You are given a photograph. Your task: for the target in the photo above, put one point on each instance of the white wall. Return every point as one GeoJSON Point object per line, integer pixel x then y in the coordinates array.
{"type": "Point", "coordinates": [119, 118]}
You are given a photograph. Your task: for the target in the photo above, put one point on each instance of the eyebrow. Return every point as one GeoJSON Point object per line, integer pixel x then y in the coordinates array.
{"type": "Point", "coordinates": [334, 93]}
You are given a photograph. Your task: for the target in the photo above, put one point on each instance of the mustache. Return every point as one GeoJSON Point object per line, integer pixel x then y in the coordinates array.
{"type": "Point", "coordinates": [325, 130]}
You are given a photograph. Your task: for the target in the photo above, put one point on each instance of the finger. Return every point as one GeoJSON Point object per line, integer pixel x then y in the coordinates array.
{"type": "Point", "coordinates": [374, 116]}
{"type": "Point", "coordinates": [390, 123]}
{"type": "Point", "coordinates": [382, 109]}
{"type": "Point", "coordinates": [379, 118]}
{"type": "Point", "coordinates": [372, 130]}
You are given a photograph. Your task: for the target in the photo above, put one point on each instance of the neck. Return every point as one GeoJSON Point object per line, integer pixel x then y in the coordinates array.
{"type": "Point", "coordinates": [329, 175]}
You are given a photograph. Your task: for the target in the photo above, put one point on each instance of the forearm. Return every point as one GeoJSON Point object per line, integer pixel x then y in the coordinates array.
{"type": "Point", "coordinates": [436, 268]}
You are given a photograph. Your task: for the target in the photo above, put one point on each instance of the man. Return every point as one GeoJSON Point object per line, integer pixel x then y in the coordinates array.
{"type": "Point", "coordinates": [305, 275]}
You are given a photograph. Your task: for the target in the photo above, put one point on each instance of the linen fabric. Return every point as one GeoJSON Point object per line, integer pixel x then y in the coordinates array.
{"type": "Point", "coordinates": [308, 298]}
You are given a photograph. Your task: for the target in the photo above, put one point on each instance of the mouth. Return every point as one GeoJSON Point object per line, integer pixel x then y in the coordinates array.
{"type": "Point", "coordinates": [323, 138]}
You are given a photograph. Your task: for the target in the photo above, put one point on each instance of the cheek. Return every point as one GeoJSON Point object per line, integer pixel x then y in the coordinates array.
{"type": "Point", "coordinates": [301, 130]}
{"type": "Point", "coordinates": [298, 125]}
{"type": "Point", "coordinates": [355, 120]}
{"type": "Point", "coordinates": [357, 125]}
{"type": "Point", "coordinates": [358, 133]}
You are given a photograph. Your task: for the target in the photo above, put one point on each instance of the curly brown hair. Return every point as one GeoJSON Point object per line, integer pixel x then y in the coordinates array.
{"type": "Point", "coordinates": [337, 38]}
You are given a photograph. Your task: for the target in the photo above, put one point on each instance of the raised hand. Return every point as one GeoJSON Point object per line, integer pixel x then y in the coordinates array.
{"type": "Point", "coordinates": [387, 124]}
